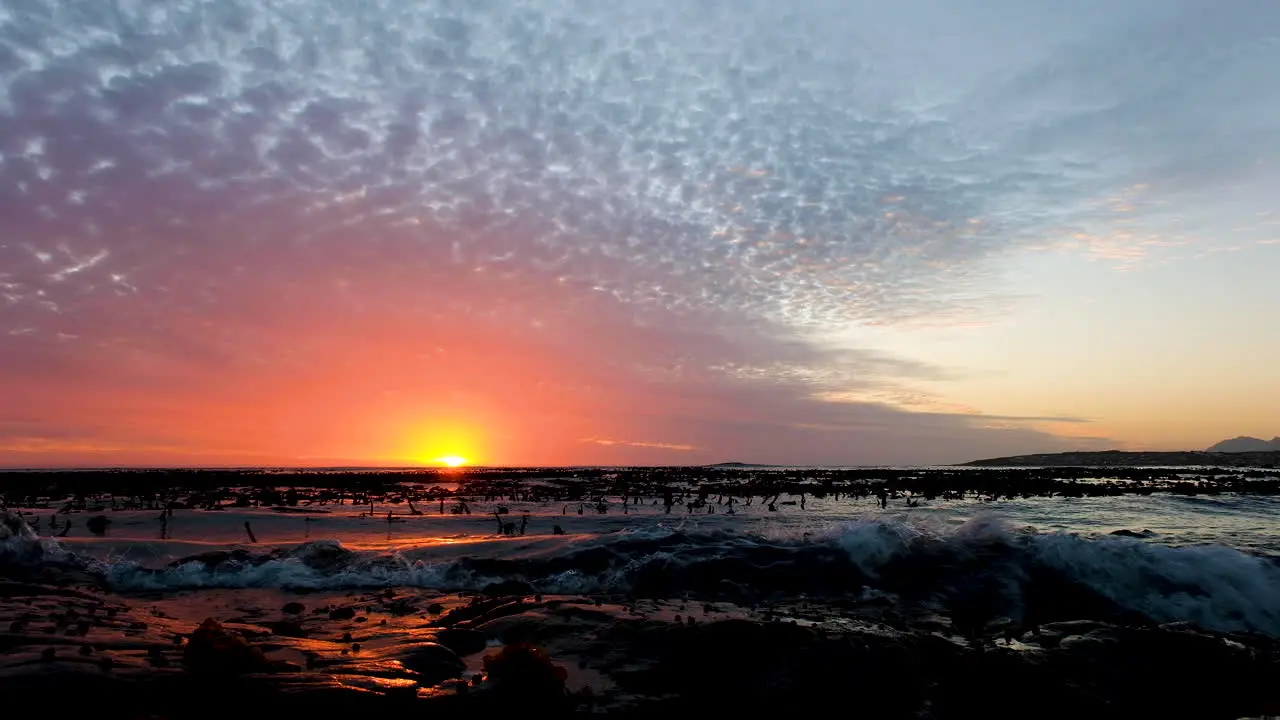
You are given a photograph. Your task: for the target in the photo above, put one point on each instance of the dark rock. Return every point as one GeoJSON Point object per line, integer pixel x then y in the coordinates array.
{"type": "Point", "coordinates": [1133, 533]}
{"type": "Point", "coordinates": [525, 673]}
{"type": "Point", "coordinates": [462, 641]}
{"type": "Point", "coordinates": [325, 556]}
{"type": "Point", "coordinates": [505, 609]}
{"type": "Point", "coordinates": [342, 613]}
{"type": "Point", "coordinates": [213, 558]}
{"type": "Point", "coordinates": [286, 628]}
{"type": "Point", "coordinates": [215, 649]}
{"type": "Point", "coordinates": [477, 608]}
{"type": "Point", "coordinates": [98, 524]}
{"type": "Point", "coordinates": [1073, 627]}
{"type": "Point", "coordinates": [508, 587]}
{"type": "Point", "coordinates": [435, 608]}
{"type": "Point", "coordinates": [435, 663]}
{"type": "Point", "coordinates": [293, 608]}
{"type": "Point", "coordinates": [402, 606]}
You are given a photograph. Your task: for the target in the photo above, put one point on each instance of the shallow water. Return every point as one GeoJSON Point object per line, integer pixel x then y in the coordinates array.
{"type": "Point", "coordinates": [1211, 560]}
{"type": "Point", "coordinates": [1250, 523]}
{"type": "Point", "coordinates": [914, 582]}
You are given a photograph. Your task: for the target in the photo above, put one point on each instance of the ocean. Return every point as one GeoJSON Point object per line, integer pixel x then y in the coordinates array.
{"type": "Point", "coordinates": [832, 561]}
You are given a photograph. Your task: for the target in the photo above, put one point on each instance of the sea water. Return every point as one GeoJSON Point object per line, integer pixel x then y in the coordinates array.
{"type": "Point", "coordinates": [1211, 559]}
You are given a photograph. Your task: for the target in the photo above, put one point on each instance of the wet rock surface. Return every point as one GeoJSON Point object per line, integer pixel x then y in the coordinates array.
{"type": "Point", "coordinates": [219, 653]}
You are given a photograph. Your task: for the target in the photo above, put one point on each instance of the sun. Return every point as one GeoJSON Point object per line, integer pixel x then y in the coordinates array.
{"type": "Point", "coordinates": [441, 443]}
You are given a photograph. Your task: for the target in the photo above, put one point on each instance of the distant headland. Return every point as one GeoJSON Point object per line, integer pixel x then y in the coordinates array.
{"type": "Point", "coordinates": [741, 465]}
{"type": "Point", "coordinates": [1122, 458]}
{"type": "Point", "coordinates": [1244, 444]}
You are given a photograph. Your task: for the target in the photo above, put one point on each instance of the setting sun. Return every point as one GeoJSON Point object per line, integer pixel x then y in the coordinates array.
{"type": "Point", "coordinates": [442, 442]}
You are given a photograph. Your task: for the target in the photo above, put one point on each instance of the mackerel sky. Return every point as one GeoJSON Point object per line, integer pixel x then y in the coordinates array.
{"type": "Point", "coordinates": [654, 231]}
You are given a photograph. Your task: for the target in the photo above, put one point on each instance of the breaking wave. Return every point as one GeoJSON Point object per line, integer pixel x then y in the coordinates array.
{"type": "Point", "coordinates": [977, 571]}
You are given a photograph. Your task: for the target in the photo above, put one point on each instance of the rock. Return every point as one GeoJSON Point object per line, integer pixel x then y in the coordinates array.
{"type": "Point", "coordinates": [1047, 640]}
{"type": "Point", "coordinates": [526, 673]}
{"type": "Point", "coordinates": [401, 607]}
{"type": "Point", "coordinates": [214, 649]}
{"type": "Point", "coordinates": [462, 641]}
{"type": "Point", "coordinates": [1125, 532]}
{"type": "Point", "coordinates": [286, 628]}
{"type": "Point", "coordinates": [435, 663]}
{"type": "Point", "coordinates": [506, 609]}
{"type": "Point", "coordinates": [98, 524]}
{"type": "Point", "coordinates": [213, 558]}
{"type": "Point", "coordinates": [1074, 627]}
{"type": "Point", "coordinates": [323, 555]}
{"type": "Point", "coordinates": [435, 608]}
{"type": "Point", "coordinates": [508, 587]}
{"type": "Point", "coordinates": [293, 608]}
{"type": "Point", "coordinates": [477, 608]}
{"type": "Point", "coordinates": [342, 613]}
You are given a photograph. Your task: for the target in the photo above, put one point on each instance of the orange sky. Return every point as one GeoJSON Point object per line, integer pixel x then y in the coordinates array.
{"type": "Point", "coordinates": [497, 370]}
{"type": "Point", "coordinates": [948, 240]}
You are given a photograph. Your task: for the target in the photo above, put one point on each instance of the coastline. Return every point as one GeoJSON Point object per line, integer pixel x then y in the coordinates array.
{"type": "Point", "coordinates": [422, 652]}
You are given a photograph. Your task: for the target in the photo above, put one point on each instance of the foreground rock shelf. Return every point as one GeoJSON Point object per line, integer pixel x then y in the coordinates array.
{"type": "Point", "coordinates": [443, 656]}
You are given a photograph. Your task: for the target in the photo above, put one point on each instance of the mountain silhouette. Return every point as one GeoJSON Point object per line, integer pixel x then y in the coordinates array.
{"type": "Point", "coordinates": [1246, 444]}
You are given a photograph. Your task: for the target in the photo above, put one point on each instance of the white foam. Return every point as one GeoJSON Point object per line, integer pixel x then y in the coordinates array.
{"type": "Point", "coordinates": [1214, 586]}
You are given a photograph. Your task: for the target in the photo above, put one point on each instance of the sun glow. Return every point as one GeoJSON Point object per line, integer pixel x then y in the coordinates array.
{"type": "Point", "coordinates": [443, 443]}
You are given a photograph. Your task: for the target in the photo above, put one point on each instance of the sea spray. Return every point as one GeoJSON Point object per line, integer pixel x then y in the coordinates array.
{"type": "Point", "coordinates": [1012, 572]}
{"type": "Point", "coordinates": [1213, 586]}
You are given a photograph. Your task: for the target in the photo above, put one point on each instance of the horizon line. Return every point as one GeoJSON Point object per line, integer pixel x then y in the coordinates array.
{"type": "Point", "coordinates": [466, 468]}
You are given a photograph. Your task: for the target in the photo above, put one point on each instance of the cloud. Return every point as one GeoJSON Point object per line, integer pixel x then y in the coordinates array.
{"type": "Point", "coordinates": [681, 168]}
{"type": "Point", "coordinates": [185, 188]}
{"type": "Point", "coordinates": [637, 444]}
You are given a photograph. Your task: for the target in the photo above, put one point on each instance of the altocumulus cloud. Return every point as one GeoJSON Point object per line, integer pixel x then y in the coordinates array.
{"type": "Point", "coordinates": [697, 186]}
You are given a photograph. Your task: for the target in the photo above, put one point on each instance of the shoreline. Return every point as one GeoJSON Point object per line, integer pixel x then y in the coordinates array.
{"type": "Point", "coordinates": [398, 650]}
{"type": "Point", "coordinates": [884, 619]}
{"type": "Point", "coordinates": [293, 491]}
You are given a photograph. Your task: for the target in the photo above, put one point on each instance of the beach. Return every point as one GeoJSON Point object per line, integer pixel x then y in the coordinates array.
{"type": "Point", "coordinates": [938, 608]}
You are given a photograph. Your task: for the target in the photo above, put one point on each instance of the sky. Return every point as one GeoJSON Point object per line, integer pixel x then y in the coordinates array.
{"type": "Point", "coordinates": [657, 232]}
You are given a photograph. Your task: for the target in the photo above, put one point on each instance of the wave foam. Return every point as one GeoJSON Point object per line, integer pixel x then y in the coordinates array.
{"type": "Point", "coordinates": [980, 569]}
